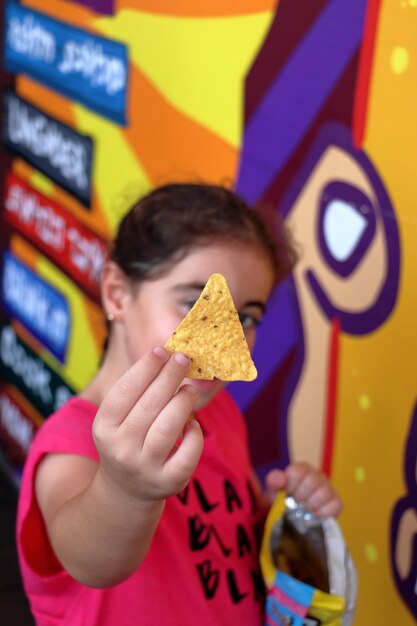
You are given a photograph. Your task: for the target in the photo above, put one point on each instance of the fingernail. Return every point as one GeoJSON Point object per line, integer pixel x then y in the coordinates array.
{"type": "Point", "coordinates": [192, 424]}
{"type": "Point", "coordinates": [160, 352]}
{"type": "Point", "coordinates": [190, 389]}
{"type": "Point", "coordinates": [182, 359]}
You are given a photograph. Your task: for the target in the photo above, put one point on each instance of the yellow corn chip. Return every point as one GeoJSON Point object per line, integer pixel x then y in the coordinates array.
{"type": "Point", "coordinates": [212, 336]}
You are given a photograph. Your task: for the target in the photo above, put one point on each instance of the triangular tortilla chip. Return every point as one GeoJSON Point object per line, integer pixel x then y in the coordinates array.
{"type": "Point", "coordinates": [212, 336]}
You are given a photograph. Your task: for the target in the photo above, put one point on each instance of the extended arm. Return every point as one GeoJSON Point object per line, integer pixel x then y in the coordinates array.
{"type": "Point", "coordinates": [101, 518]}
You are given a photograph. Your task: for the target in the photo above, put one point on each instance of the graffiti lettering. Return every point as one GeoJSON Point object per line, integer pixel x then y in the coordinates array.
{"type": "Point", "coordinates": [28, 37]}
{"type": "Point", "coordinates": [52, 228]}
{"type": "Point", "coordinates": [87, 255]}
{"type": "Point", "coordinates": [89, 60]}
{"type": "Point", "coordinates": [44, 139]}
{"type": "Point", "coordinates": [211, 579]}
{"type": "Point", "coordinates": [49, 227]}
{"type": "Point", "coordinates": [31, 370]}
{"type": "Point", "coordinates": [232, 499]}
{"type": "Point", "coordinates": [226, 540]}
{"type": "Point", "coordinates": [201, 534]}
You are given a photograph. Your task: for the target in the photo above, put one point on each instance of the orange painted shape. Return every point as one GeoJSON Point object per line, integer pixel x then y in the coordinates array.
{"type": "Point", "coordinates": [63, 11]}
{"type": "Point", "coordinates": [190, 8]}
{"type": "Point", "coordinates": [24, 404]}
{"type": "Point", "coordinates": [23, 251]}
{"type": "Point", "coordinates": [171, 146]}
{"type": "Point", "coordinates": [27, 337]}
{"type": "Point", "coordinates": [93, 218]}
{"type": "Point", "coordinates": [364, 75]}
{"type": "Point", "coordinates": [47, 100]}
{"type": "Point", "coordinates": [22, 169]}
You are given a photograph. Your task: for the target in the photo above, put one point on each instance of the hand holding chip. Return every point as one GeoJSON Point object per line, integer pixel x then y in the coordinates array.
{"type": "Point", "coordinates": [147, 443]}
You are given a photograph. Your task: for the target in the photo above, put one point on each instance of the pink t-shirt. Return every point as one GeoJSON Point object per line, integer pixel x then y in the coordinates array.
{"type": "Point", "coordinates": [202, 566]}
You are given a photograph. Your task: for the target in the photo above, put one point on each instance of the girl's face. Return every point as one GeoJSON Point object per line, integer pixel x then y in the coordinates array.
{"type": "Point", "coordinates": [154, 309]}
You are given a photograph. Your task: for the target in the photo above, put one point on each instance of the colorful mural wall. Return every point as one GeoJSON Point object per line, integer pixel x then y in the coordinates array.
{"type": "Point", "coordinates": [309, 106]}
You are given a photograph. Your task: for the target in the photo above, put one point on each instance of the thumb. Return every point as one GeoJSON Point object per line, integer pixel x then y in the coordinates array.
{"type": "Point", "coordinates": [275, 480]}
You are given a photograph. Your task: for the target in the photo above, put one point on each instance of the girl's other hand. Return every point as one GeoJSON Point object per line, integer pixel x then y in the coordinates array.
{"type": "Point", "coordinates": [308, 485]}
{"type": "Point", "coordinates": [147, 442]}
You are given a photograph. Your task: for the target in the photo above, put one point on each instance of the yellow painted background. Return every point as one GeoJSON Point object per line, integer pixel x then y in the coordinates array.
{"type": "Point", "coordinates": [378, 386]}
{"type": "Point", "coordinates": [186, 120]}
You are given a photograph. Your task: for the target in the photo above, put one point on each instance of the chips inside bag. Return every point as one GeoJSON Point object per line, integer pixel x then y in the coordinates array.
{"type": "Point", "coordinates": [310, 576]}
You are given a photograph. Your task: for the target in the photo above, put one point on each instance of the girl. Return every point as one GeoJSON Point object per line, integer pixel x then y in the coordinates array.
{"type": "Point", "coordinates": [138, 503]}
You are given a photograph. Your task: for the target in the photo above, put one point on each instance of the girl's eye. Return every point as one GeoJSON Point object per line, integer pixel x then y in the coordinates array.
{"type": "Point", "coordinates": [248, 321]}
{"type": "Point", "coordinates": [189, 304]}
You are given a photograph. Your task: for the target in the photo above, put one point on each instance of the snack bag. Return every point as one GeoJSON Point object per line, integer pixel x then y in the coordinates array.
{"type": "Point", "coordinates": [310, 576]}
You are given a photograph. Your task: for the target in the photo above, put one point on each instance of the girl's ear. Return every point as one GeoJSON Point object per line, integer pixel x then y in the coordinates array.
{"type": "Point", "coordinates": [115, 290]}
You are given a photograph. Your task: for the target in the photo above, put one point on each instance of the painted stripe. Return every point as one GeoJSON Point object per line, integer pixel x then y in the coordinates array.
{"type": "Point", "coordinates": [190, 8]}
{"type": "Point", "coordinates": [364, 73]}
{"type": "Point", "coordinates": [295, 99]}
{"type": "Point", "coordinates": [100, 6]}
{"type": "Point", "coordinates": [330, 423]}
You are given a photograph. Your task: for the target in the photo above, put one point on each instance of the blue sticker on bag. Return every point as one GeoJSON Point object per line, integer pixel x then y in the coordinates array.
{"type": "Point", "coordinates": [287, 602]}
{"type": "Point", "coordinates": [84, 67]}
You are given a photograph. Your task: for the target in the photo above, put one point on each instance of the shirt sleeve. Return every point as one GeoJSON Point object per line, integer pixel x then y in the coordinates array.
{"type": "Point", "coordinates": [69, 431]}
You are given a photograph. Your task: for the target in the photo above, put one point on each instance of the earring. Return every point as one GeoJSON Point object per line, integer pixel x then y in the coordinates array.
{"type": "Point", "coordinates": [110, 317]}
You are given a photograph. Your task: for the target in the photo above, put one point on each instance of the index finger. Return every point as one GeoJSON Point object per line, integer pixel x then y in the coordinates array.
{"type": "Point", "coordinates": [124, 394]}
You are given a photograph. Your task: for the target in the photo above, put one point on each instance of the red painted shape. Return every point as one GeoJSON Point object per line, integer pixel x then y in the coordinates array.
{"type": "Point", "coordinates": [363, 81]}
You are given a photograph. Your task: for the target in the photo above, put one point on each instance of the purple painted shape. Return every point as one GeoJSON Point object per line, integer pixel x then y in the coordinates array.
{"type": "Point", "coordinates": [280, 329]}
{"type": "Point", "coordinates": [277, 335]}
{"type": "Point", "coordinates": [297, 95]}
{"type": "Point", "coordinates": [281, 360]}
{"type": "Point", "coordinates": [359, 202]}
{"type": "Point", "coordinates": [361, 322]}
{"type": "Point", "coordinates": [406, 584]}
{"type": "Point", "coordinates": [107, 7]}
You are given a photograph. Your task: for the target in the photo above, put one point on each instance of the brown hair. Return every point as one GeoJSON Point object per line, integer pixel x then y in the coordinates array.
{"type": "Point", "coordinates": [162, 226]}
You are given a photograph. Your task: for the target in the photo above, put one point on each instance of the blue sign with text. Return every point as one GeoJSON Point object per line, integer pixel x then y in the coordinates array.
{"type": "Point", "coordinates": [90, 69]}
{"type": "Point", "coordinates": [37, 305]}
